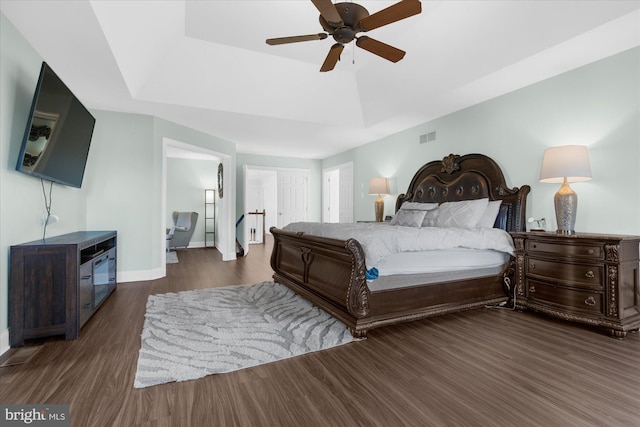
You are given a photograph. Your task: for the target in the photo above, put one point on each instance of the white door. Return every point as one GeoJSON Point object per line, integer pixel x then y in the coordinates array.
{"type": "Point", "coordinates": [293, 196]}
{"type": "Point", "coordinates": [346, 193]}
{"type": "Point", "coordinates": [337, 200]}
{"type": "Point", "coordinates": [331, 195]}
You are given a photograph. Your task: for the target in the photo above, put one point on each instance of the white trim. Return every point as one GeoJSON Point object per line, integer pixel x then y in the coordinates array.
{"type": "Point", "coordinates": [4, 342]}
{"type": "Point", "coordinates": [142, 275]}
{"type": "Point", "coordinates": [198, 244]}
{"type": "Point", "coordinates": [227, 203]}
{"type": "Point", "coordinates": [341, 165]}
{"type": "Point", "coordinates": [278, 168]}
{"type": "Point", "coordinates": [325, 191]}
{"type": "Point", "coordinates": [163, 210]}
{"type": "Point", "coordinates": [227, 210]}
{"type": "Point", "coordinates": [193, 244]}
{"type": "Point", "coordinates": [243, 229]}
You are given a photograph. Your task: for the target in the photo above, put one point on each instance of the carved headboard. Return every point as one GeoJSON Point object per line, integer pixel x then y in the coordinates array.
{"type": "Point", "coordinates": [468, 177]}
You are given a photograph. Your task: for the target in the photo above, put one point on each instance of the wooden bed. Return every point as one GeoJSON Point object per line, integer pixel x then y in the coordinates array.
{"type": "Point", "coordinates": [331, 273]}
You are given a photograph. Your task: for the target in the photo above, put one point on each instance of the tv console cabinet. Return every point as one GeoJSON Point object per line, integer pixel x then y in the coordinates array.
{"type": "Point", "coordinates": [57, 284]}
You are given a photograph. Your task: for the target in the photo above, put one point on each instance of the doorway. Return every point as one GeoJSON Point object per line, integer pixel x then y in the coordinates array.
{"type": "Point", "coordinates": [261, 203]}
{"type": "Point", "coordinates": [281, 193]}
{"type": "Point", "coordinates": [337, 194]}
{"type": "Point", "coordinates": [225, 242]}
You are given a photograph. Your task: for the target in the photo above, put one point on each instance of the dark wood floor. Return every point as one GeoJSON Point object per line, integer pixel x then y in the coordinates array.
{"type": "Point", "coordinates": [485, 367]}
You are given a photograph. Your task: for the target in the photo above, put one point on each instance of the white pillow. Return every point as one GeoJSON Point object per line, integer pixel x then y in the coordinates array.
{"type": "Point", "coordinates": [430, 218]}
{"type": "Point", "coordinates": [408, 218]}
{"type": "Point", "coordinates": [463, 214]}
{"type": "Point", "coordinates": [417, 206]}
{"type": "Point", "coordinates": [490, 214]}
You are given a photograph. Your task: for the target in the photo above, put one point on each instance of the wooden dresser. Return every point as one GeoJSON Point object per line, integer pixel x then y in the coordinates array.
{"type": "Point", "coordinates": [57, 284]}
{"type": "Point", "coordinates": [586, 278]}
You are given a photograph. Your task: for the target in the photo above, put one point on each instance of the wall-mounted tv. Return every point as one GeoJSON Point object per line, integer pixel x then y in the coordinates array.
{"type": "Point", "coordinates": [58, 134]}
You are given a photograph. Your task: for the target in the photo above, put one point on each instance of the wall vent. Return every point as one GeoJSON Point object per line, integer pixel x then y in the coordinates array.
{"type": "Point", "coordinates": [428, 137]}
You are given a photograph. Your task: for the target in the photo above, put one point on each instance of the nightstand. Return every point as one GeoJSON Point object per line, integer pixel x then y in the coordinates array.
{"type": "Point", "coordinates": [587, 278]}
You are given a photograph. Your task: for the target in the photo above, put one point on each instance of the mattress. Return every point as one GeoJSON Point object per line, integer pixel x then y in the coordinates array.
{"type": "Point", "coordinates": [441, 260]}
{"type": "Point", "coordinates": [418, 268]}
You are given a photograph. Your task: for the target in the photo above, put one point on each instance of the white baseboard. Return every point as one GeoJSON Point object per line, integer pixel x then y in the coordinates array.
{"type": "Point", "coordinates": [192, 244]}
{"type": "Point", "coordinates": [157, 273]}
{"type": "Point", "coordinates": [141, 275]}
{"type": "Point", "coordinates": [4, 342]}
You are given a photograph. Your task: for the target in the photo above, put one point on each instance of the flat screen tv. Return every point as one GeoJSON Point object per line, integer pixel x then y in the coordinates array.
{"type": "Point", "coordinates": [58, 134]}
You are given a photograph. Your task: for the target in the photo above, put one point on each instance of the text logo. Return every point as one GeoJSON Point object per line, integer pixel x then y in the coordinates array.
{"type": "Point", "coordinates": [35, 415]}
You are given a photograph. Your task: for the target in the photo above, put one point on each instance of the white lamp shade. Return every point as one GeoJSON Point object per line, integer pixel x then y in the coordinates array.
{"type": "Point", "coordinates": [570, 161]}
{"type": "Point", "coordinates": [379, 186]}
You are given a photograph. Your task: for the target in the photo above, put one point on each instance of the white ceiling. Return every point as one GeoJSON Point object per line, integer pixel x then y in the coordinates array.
{"type": "Point", "coordinates": [205, 64]}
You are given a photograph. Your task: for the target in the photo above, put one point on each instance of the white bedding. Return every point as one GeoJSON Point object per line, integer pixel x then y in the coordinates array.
{"type": "Point", "coordinates": [379, 240]}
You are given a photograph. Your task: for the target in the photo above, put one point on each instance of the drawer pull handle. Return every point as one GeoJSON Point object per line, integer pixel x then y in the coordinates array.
{"type": "Point", "coordinates": [591, 251]}
{"type": "Point", "coordinates": [591, 301]}
{"type": "Point", "coordinates": [590, 274]}
{"type": "Point", "coordinates": [532, 289]}
{"type": "Point", "coordinates": [533, 266]}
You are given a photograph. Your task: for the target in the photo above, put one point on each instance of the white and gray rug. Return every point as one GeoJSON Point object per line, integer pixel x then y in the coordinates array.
{"type": "Point", "coordinates": [192, 334]}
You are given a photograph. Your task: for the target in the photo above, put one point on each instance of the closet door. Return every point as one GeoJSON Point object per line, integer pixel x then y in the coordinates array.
{"type": "Point", "coordinates": [346, 193]}
{"type": "Point", "coordinates": [293, 196]}
{"type": "Point", "coordinates": [337, 196]}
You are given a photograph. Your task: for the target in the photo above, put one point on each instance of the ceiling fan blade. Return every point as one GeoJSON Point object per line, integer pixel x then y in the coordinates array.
{"type": "Point", "coordinates": [296, 39]}
{"type": "Point", "coordinates": [332, 58]}
{"type": "Point", "coordinates": [383, 50]}
{"type": "Point", "coordinates": [393, 13]}
{"type": "Point", "coordinates": [328, 12]}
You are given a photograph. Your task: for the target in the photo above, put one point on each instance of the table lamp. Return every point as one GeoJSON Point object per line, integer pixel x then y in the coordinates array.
{"type": "Point", "coordinates": [379, 186]}
{"type": "Point", "coordinates": [565, 164]}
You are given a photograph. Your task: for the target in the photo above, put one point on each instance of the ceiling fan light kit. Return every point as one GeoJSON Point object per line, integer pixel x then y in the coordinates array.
{"type": "Point", "coordinates": [343, 21]}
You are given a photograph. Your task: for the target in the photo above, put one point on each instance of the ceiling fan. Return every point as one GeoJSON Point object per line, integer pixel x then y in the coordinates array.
{"type": "Point", "coordinates": [343, 21]}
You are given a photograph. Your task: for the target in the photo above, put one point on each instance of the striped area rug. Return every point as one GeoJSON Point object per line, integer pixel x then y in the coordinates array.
{"type": "Point", "coordinates": [192, 334]}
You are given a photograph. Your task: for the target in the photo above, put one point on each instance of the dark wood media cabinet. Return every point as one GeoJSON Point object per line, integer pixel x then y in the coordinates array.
{"type": "Point", "coordinates": [57, 284]}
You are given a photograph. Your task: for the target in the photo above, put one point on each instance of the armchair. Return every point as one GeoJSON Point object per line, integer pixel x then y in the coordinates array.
{"type": "Point", "coordinates": [179, 235]}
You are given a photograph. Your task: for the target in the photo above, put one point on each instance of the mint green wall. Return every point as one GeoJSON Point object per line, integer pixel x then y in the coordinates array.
{"type": "Point", "coordinates": [186, 182]}
{"type": "Point", "coordinates": [595, 105]}
{"type": "Point", "coordinates": [127, 148]}
{"type": "Point", "coordinates": [120, 183]}
{"type": "Point", "coordinates": [21, 196]}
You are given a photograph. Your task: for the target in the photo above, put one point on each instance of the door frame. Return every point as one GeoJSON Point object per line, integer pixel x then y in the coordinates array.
{"type": "Point", "coordinates": [326, 197]}
{"type": "Point", "coordinates": [226, 224]}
